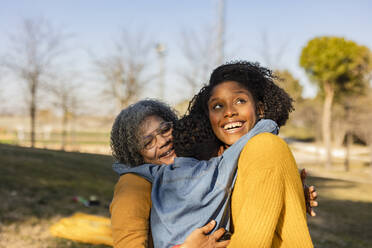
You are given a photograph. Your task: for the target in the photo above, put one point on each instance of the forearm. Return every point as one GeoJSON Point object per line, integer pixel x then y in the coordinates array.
{"type": "Point", "coordinates": [268, 207]}
{"type": "Point", "coordinates": [256, 207]}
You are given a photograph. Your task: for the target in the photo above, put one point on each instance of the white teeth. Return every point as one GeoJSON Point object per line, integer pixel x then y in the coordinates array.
{"type": "Point", "coordinates": [166, 153]}
{"type": "Point", "coordinates": [233, 125]}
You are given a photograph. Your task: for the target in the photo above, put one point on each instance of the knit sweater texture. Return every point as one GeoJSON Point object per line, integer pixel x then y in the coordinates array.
{"type": "Point", "coordinates": [268, 205]}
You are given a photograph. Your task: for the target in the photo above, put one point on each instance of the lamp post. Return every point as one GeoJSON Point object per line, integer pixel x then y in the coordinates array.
{"type": "Point", "coordinates": [221, 32]}
{"type": "Point", "coordinates": [160, 49]}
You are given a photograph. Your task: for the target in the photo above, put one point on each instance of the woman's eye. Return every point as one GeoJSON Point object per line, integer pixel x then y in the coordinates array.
{"type": "Point", "coordinates": [217, 106]}
{"type": "Point", "coordinates": [147, 142]}
{"type": "Point", "coordinates": [165, 130]}
{"type": "Point", "coordinates": [240, 101]}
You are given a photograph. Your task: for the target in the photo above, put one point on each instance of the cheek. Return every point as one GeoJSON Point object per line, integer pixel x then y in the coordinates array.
{"type": "Point", "coordinates": [213, 119]}
{"type": "Point", "coordinates": [148, 156]}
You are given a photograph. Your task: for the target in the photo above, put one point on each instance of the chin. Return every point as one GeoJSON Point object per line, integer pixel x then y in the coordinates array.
{"type": "Point", "coordinates": [168, 160]}
{"type": "Point", "coordinates": [231, 139]}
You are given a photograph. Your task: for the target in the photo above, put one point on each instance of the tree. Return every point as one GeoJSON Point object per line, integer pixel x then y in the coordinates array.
{"type": "Point", "coordinates": [199, 52]}
{"type": "Point", "coordinates": [124, 70]}
{"type": "Point", "coordinates": [360, 119]}
{"type": "Point", "coordinates": [290, 84]}
{"type": "Point", "coordinates": [270, 56]}
{"type": "Point", "coordinates": [65, 99]}
{"type": "Point", "coordinates": [339, 67]}
{"type": "Point", "coordinates": [33, 52]}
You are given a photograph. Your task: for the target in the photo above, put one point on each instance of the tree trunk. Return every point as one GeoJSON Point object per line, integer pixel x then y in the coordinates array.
{"type": "Point", "coordinates": [33, 113]}
{"type": "Point", "coordinates": [349, 137]}
{"type": "Point", "coordinates": [326, 123]}
{"type": "Point", "coordinates": [347, 153]}
{"type": "Point", "coordinates": [64, 129]}
{"type": "Point", "coordinates": [370, 163]}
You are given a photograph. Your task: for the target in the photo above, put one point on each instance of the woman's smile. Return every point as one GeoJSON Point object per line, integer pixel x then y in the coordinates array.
{"type": "Point", "coordinates": [232, 111]}
{"type": "Point", "coordinates": [234, 126]}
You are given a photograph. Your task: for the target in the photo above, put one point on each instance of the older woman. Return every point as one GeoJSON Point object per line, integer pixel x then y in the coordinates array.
{"type": "Point", "coordinates": [142, 133]}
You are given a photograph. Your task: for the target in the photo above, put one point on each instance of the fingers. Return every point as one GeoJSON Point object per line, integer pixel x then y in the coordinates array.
{"type": "Point", "coordinates": [312, 213]}
{"type": "Point", "coordinates": [208, 227]}
{"type": "Point", "coordinates": [310, 206]}
{"type": "Point", "coordinates": [223, 244]}
{"type": "Point", "coordinates": [218, 234]}
{"type": "Point", "coordinates": [312, 188]}
{"type": "Point", "coordinates": [312, 192]}
{"type": "Point", "coordinates": [313, 203]}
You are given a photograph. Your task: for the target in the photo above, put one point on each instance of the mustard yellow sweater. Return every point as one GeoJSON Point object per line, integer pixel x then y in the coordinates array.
{"type": "Point", "coordinates": [268, 206]}
{"type": "Point", "coordinates": [130, 212]}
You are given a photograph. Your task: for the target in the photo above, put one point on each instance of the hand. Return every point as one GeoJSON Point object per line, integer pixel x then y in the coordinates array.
{"type": "Point", "coordinates": [310, 195]}
{"type": "Point", "coordinates": [199, 238]}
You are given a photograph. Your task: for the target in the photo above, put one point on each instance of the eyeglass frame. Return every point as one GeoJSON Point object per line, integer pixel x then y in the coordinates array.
{"type": "Point", "coordinates": [157, 132]}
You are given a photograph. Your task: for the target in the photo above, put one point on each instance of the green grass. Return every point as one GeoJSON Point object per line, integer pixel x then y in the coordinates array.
{"type": "Point", "coordinates": [55, 138]}
{"type": "Point", "coordinates": [344, 215]}
{"type": "Point", "coordinates": [37, 187]}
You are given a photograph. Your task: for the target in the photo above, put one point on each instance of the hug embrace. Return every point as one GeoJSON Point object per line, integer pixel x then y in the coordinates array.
{"type": "Point", "coordinates": [222, 161]}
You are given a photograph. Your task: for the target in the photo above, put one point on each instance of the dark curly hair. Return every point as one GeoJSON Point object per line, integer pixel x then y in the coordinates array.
{"type": "Point", "coordinates": [273, 100]}
{"type": "Point", "coordinates": [194, 138]}
{"type": "Point", "coordinates": [125, 132]}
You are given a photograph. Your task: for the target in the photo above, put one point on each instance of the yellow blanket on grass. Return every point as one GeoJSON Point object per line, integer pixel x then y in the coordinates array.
{"type": "Point", "coordinates": [84, 228]}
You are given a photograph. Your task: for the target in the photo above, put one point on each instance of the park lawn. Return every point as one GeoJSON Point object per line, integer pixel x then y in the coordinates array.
{"type": "Point", "coordinates": [37, 187]}
{"type": "Point", "coordinates": [344, 215]}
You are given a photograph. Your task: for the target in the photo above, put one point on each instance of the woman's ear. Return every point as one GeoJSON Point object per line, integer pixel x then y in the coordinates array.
{"type": "Point", "coordinates": [260, 110]}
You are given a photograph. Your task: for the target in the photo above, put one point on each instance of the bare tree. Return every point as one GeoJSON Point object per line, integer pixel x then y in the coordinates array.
{"type": "Point", "coordinates": [203, 49]}
{"type": "Point", "coordinates": [65, 98]}
{"type": "Point", "coordinates": [271, 57]}
{"type": "Point", "coordinates": [198, 49]}
{"type": "Point", "coordinates": [361, 119]}
{"type": "Point", "coordinates": [125, 70]}
{"type": "Point", "coordinates": [34, 49]}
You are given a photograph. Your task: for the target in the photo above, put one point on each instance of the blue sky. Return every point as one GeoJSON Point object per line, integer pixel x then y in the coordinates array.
{"type": "Point", "coordinates": [96, 23]}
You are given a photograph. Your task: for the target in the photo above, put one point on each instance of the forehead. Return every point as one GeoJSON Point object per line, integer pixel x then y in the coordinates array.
{"type": "Point", "coordinates": [150, 124]}
{"type": "Point", "coordinates": [228, 88]}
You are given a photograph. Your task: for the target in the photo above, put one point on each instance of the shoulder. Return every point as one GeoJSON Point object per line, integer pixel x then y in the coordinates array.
{"type": "Point", "coordinates": [265, 147]}
{"type": "Point", "coordinates": [266, 141]}
{"type": "Point", "coordinates": [132, 184]}
{"type": "Point", "coordinates": [133, 190]}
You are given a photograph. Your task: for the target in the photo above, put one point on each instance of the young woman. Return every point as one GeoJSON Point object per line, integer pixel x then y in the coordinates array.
{"type": "Point", "coordinates": [267, 202]}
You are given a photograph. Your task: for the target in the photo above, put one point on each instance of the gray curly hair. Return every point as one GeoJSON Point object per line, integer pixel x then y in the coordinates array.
{"type": "Point", "coordinates": [125, 132]}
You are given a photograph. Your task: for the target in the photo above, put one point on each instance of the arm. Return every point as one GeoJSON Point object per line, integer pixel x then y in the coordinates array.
{"type": "Point", "coordinates": [268, 206]}
{"type": "Point", "coordinates": [130, 211]}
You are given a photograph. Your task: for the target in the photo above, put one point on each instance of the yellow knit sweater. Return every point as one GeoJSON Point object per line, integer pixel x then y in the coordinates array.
{"type": "Point", "coordinates": [130, 212]}
{"type": "Point", "coordinates": [268, 207]}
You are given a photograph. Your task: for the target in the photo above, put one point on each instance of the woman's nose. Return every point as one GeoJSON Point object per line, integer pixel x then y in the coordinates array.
{"type": "Point", "coordinates": [230, 111]}
{"type": "Point", "coordinates": [161, 141]}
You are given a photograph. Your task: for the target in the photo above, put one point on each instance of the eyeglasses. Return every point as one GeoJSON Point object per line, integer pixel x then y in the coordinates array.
{"type": "Point", "coordinates": [164, 129]}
